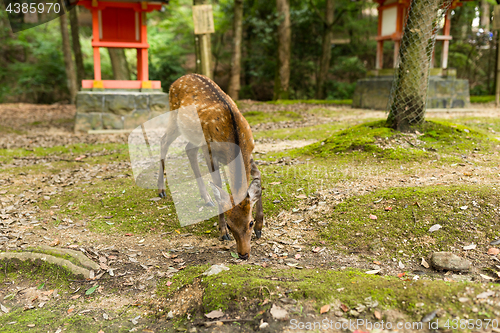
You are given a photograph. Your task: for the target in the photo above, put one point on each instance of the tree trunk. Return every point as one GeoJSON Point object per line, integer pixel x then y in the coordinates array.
{"type": "Point", "coordinates": [77, 49]}
{"type": "Point", "coordinates": [234, 81]}
{"type": "Point", "coordinates": [68, 60]}
{"type": "Point", "coordinates": [485, 15]}
{"type": "Point", "coordinates": [282, 80]}
{"type": "Point", "coordinates": [119, 64]}
{"type": "Point", "coordinates": [326, 50]}
{"type": "Point", "coordinates": [412, 77]}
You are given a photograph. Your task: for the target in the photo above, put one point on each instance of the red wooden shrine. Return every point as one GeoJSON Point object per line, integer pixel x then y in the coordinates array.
{"type": "Point", "coordinates": [120, 24]}
{"type": "Point", "coordinates": [391, 19]}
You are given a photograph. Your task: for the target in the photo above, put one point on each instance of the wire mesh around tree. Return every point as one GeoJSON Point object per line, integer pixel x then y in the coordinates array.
{"type": "Point", "coordinates": [408, 98]}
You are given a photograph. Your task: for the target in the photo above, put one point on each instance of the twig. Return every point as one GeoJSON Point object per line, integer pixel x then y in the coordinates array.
{"type": "Point", "coordinates": [414, 217]}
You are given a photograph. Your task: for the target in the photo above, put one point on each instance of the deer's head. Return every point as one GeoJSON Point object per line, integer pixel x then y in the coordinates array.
{"type": "Point", "coordinates": [239, 217]}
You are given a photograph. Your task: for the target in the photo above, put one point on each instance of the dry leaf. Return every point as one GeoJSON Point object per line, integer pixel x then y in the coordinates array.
{"type": "Point", "coordinates": [424, 263]}
{"type": "Point", "coordinates": [373, 217]}
{"type": "Point", "coordinates": [486, 277]}
{"type": "Point", "coordinates": [214, 314]}
{"type": "Point", "coordinates": [377, 314]}
{"type": "Point", "coordinates": [279, 313]}
{"type": "Point", "coordinates": [344, 307]}
{"type": "Point", "coordinates": [493, 251]}
{"type": "Point", "coordinates": [325, 308]}
{"type": "Point", "coordinates": [55, 242]}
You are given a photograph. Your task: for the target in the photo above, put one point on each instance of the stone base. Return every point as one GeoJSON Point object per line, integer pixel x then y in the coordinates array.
{"type": "Point", "coordinates": [117, 110]}
{"type": "Point", "coordinates": [444, 93]}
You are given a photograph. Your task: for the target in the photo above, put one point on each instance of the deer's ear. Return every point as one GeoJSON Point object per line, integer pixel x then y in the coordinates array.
{"type": "Point", "coordinates": [254, 191]}
{"type": "Point", "coordinates": [221, 197]}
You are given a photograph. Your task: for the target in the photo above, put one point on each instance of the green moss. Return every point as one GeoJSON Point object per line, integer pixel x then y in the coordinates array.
{"type": "Point", "coordinates": [37, 271]}
{"type": "Point", "coordinates": [311, 101]}
{"type": "Point", "coordinates": [69, 153]}
{"type": "Point", "coordinates": [259, 117]}
{"type": "Point", "coordinates": [482, 99]}
{"type": "Point", "coordinates": [413, 211]}
{"type": "Point", "coordinates": [119, 205]}
{"type": "Point", "coordinates": [244, 287]}
{"type": "Point", "coordinates": [376, 138]}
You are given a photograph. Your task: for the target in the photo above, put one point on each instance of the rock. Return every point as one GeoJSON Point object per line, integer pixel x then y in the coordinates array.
{"type": "Point", "coordinates": [449, 261]}
{"type": "Point", "coordinates": [215, 269]}
{"type": "Point", "coordinates": [263, 325]}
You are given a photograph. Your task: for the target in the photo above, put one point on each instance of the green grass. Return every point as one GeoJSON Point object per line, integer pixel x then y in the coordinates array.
{"type": "Point", "coordinates": [259, 117]}
{"type": "Point", "coordinates": [244, 288]}
{"type": "Point", "coordinates": [310, 101]}
{"type": "Point", "coordinates": [69, 152]}
{"type": "Point", "coordinates": [482, 99]}
{"type": "Point", "coordinates": [414, 211]}
{"type": "Point", "coordinates": [317, 132]}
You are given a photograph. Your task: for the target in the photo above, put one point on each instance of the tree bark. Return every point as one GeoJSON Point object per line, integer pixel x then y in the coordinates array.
{"type": "Point", "coordinates": [282, 81]}
{"type": "Point", "coordinates": [326, 49]}
{"type": "Point", "coordinates": [68, 60]}
{"type": "Point", "coordinates": [119, 64]}
{"type": "Point", "coordinates": [77, 48]}
{"type": "Point", "coordinates": [412, 77]}
{"type": "Point", "coordinates": [485, 15]}
{"type": "Point", "coordinates": [234, 81]}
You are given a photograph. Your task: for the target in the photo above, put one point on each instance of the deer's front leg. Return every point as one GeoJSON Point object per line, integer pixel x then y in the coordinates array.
{"type": "Point", "coordinates": [223, 229]}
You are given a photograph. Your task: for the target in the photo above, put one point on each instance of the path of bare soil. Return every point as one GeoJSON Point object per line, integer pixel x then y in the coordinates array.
{"type": "Point", "coordinates": [138, 261]}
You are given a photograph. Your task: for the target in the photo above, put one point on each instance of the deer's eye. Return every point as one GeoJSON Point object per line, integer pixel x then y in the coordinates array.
{"type": "Point", "coordinates": [251, 224]}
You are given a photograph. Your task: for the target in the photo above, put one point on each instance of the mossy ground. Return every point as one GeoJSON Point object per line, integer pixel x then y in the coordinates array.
{"type": "Point", "coordinates": [245, 288]}
{"type": "Point", "coordinates": [117, 205]}
{"type": "Point", "coordinates": [437, 136]}
{"type": "Point", "coordinates": [467, 214]}
{"type": "Point", "coordinates": [259, 117]}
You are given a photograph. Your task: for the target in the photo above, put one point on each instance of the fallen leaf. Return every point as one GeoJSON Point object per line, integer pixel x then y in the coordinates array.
{"type": "Point", "coordinates": [91, 290]}
{"type": "Point", "coordinates": [75, 296]}
{"type": "Point", "coordinates": [493, 251]}
{"type": "Point", "coordinates": [424, 263]}
{"type": "Point", "coordinates": [388, 208]}
{"type": "Point", "coordinates": [324, 309]}
{"type": "Point", "coordinates": [373, 217]}
{"type": "Point", "coordinates": [214, 314]}
{"type": "Point", "coordinates": [470, 247]}
{"type": "Point", "coordinates": [129, 234]}
{"type": "Point", "coordinates": [400, 275]}
{"type": "Point", "coordinates": [435, 227]}
{"type": "Point", "coordinates": [4, 309]}
{"type": "Point", "coordinates": [275, 183]}
{"type": "Point", "coordinates": [400, 265]}
{"type": "Point", "coordinates": [55, 242]}
{"type": "Point", "coordinates": [169, 283]}
{"type": "Point", "coordinates": [234, 255]}
{"type": "Point", "coordinates": [301, 196]}
{"type": "Point", "coordinates": [344, 307]}
{"type": "Point", "coordinates": [373, 272]}
{"type": "Point", "coordinates": [377, 262]}
{"type": "Point", "coordinates": [70, 310]}
{"type": "Point", "coordinates": [464, 207]}
{"type": "Point", "coordinates": [297, 256]}
{"type": "Point", "coordinates": [377, 314]}
{"type": "Point", "coordinates": [486, 294]}
{"type": "Point", "coordinates": [316, 249]}
{"type": "Point", "coordinates": [278, 313]}
{"type": "Point", "coordinates": [486, 277]}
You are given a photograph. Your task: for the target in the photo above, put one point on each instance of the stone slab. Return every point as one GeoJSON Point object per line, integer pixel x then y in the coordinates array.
{"type": "Point", "coordinates": [444, 93]}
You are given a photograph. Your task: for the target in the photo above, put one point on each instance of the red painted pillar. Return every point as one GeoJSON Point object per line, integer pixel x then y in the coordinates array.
{"type": "Point", "coordinates": [95, 36]}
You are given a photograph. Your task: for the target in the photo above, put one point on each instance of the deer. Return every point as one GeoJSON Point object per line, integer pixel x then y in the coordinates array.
{"type": "Point", "coordinates": [221, 121]}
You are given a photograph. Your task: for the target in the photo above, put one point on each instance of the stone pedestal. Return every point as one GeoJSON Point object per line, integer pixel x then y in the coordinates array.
{"type": "Point", "coordinates": [117, 110]}
{"type": "Point", "coordinates": [445, 91]}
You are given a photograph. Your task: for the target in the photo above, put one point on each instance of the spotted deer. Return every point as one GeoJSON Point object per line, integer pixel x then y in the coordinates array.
{"type": "Point", "coordinates": [221, 121]}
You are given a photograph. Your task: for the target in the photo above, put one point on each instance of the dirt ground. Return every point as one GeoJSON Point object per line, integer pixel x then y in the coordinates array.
{"type": "Point", "coordinates": [138, 261]}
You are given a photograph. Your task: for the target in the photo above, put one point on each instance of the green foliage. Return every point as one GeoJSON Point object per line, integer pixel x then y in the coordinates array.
{"type": "Point", "coordinates": [482, 99]}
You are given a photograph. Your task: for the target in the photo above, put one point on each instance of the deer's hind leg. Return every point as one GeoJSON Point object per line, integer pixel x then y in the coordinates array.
{"type": "Point", "coordinates": [259, 214]}
{"type": "Point", "coordinates": [192, 153]}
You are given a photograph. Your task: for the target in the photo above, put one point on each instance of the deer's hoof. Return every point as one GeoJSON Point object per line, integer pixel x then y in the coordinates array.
{"type": "Point", "coordinates": [226, 237]}
{"type": "Point", "coordinates": [210, 204]}
{"type": "Point", "coordinates": [162, 194]}
{"type": "Point", "coordinates": [258, 233]}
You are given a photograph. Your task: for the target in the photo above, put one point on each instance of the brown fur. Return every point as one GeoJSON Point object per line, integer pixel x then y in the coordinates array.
{"type": "Point", "coordinates": [221, 121]}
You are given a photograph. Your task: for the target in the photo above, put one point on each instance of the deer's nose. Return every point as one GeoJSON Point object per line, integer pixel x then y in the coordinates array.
{"type": "Point", "coordinates": [244, 257]}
